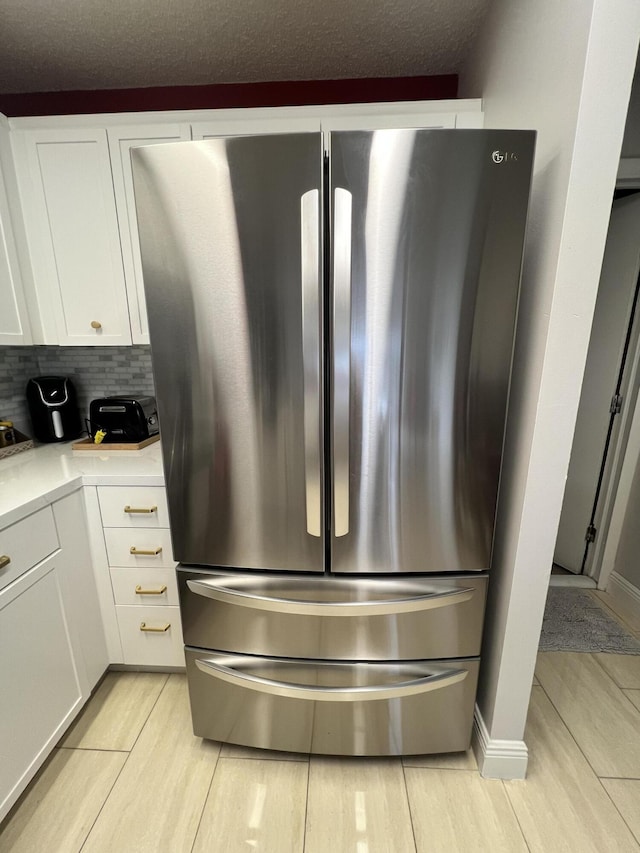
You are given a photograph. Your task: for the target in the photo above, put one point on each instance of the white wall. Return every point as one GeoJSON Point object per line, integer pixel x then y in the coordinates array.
{"type": "Point", "coordinates": [631, 142]}
{"type": "Point", "coordinates": [565, 70]}
{"type": "Point", "coordinates": [627, 562]}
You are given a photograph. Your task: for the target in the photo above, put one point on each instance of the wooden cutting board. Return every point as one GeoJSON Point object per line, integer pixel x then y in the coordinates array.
{"type": "Point", "coordinates": [89, 444]}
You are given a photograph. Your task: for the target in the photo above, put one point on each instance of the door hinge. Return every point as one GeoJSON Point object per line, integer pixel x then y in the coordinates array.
{"type": "Point", "coordinates": [616, 404]}
{"type": "Point", "coordinates": [590, 535]}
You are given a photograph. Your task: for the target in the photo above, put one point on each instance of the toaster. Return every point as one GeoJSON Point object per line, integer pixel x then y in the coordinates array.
{"type": "Point", "coordinates": [124, 419]}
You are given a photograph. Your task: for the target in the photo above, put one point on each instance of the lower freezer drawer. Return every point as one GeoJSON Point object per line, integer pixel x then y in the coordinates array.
{"type": "Point", "coordinates": [332, 708]}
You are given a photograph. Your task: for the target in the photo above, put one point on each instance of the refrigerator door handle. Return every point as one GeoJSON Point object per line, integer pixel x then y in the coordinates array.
{"type": "Point", "coordinates": [396, 690]}
{"type": "Point", "coordinates": [341, 357]}
{"type": "Point", "coordinates": [303, 607]}
{"type": "Point", "coordinates": [310, 277]}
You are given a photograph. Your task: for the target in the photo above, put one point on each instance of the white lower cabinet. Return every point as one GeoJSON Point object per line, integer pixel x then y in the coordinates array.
{"type": "Point", "coordinates": [132, 549]}
{"type": "Point", "coordinates": [41, 684]}
{"type": "Point", "coordinates": [52, 644]}
{"type": "Point", "coordinates": [151, 635]}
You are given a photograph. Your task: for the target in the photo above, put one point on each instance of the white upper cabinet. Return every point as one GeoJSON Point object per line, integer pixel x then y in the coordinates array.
{"type": "Point", "coordinates": [14, 325]}
{"type": "Point", "coordinates": [77, 235]}
{"type": "Point", "coordinates": [72, 230]}
{"type": "Point", "coordinates": [121, 141]}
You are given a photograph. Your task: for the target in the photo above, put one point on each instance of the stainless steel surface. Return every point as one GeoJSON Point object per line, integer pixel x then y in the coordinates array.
{"type": "Point", "coordinates": [436, 248]}
{"type": "Point", "coordinates": [402, 602]}
{"type": "Point", "coordinates": [315, 720]}
{"type": "Point", "coordinates": [311, 356]}
{"type": "Point", "coordinates": [342, 207]}
{"type": "Point", "coordinates": [230, 669]}
{"type": "Point", "coordinates": [220, 234]}
{"type": "Point", "coordinates": [332, 617]}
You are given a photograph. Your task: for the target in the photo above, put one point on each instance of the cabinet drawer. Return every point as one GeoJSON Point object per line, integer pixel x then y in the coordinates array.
{"type": "Point", "coordinates": [144, 586]}
{"type": "Point", "coordinates": [155, 541]}
{"type": "Point", "coordinates": [143, 646]}
{"type": "Point", "coordinates": [385, 708]}
{"type": "Point", "coordinates": [133, 506]}
{"type": "Point", "coordinates": [26, 543]}
{"type": "Point", "coordinates": [333, 618]}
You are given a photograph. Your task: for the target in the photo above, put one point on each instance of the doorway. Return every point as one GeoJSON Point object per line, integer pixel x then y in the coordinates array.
{"type": "Point", "coordinates": [608, 398]}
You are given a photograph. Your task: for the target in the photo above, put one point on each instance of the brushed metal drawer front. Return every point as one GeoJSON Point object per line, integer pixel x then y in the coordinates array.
{"type": "Point", "coordinates": [343, 709]}
{"type": "Point", "coordinates": [366, 618]}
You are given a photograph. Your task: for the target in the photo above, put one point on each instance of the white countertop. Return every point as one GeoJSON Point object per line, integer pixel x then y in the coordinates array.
{"type": "Point", "coordinates": [35, 478]}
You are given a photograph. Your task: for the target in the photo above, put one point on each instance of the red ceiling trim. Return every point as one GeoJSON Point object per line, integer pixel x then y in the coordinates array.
{"type": "Point", "coordinates": [230, 95]}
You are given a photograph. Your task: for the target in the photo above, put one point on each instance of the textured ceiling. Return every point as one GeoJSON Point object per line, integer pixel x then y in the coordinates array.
{"type": "Point", "coordinates": [52, 45]}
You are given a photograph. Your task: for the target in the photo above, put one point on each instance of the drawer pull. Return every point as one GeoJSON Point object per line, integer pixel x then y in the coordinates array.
{"type": "Point", "coordinates": [160, 630]}
{"type": "Point", "coordinates": [141, 552]}
{"type": "Point", "coordinates": [219, 591]}
{"type": "Point", "coordinates": [232, 674]}
{"type": "Point", "coordinates": [144, 510]}
{"type": "Point", "coordinates": [4, 561]}
{"type": "Point", "coordinates": [140, 591]}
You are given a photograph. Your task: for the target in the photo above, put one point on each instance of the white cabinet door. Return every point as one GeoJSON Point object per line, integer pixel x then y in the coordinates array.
{"type": "Point", "coordinates": [41, 691]}
{"type": "Point", "coordinates": [121, 141]}
{"type": "Point", "coordinates": [14, 325]}
{"type": "Point", "coordinates": [72, 227]}
{"type": "Point", "coordinates": [79, 590]}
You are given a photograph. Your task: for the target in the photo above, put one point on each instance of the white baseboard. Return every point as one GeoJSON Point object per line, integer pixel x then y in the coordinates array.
{"type": "Point", "coordinates": [572, 580]}
{"type": "Point", "coordinates": [498, 759]}
{"type": "Point", "coordinates": [626, 593]}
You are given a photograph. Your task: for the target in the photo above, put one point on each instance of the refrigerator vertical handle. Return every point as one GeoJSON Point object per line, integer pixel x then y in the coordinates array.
{"type": "Point", "coordinates": [310, 277]}
{"type": "Point", "coordinates": [341, 357]}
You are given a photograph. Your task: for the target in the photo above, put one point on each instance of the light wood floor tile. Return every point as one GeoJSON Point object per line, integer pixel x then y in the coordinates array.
{"type": "Point", "coordinates": [444, 761]}
{"type": "Point", "coordinates": [254, 805]}
{"type": "Point", "coordinates": [561, 805]}
{"type": "Point", "coordinates": [357, 804]}
{"type": "Point", "coordinates": [601, 719]}
{"type": "Point", "coordinates": [461, 811]}
{"type": "Point", "coordinates": [231, 750]}
{"type": "Point", "coordinates": [624, 614]}
{"type": "Point", "coordinates": [634, 695]}
{"type": "Point", "coordinates": [625, 793]}
{"type": "Point", "coordinates": [535, 682]}
{"type": "Point", "coordinates": [158, 799]}
{"type": "Point", "coordinates": [114, 716]}
{"type": "Point", "coordinates": [59, 807]}
{"type": "Point", "coordinates": [624, 669]}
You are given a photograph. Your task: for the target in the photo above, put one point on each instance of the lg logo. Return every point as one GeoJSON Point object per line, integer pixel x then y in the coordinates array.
{"type": "Point", "coordinates": [501, 156]}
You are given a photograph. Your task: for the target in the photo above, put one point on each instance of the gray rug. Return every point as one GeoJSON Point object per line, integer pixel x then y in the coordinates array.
{"type": "Point", "coordinates": [574, 622]}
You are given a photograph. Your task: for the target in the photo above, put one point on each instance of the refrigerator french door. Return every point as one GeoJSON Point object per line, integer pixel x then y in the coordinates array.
{"type": "Point", "coordinates": [332, 324]}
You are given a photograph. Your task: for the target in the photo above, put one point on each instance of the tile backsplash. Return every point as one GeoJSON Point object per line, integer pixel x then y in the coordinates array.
{"type": "Point", "coordinates": [95, 372]}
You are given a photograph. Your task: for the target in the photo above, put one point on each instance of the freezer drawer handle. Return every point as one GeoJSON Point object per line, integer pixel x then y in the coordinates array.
{"type": "Point", "coordinates": [341, 358]}
{"type": "Point", "coordinates": [209, 589]}
{"type": "Point", "coordinates": [397, 690]}
{"type": "Point", "coordinates": [310, 279]}
{"type": "Point", "coordinates": [141, 552]}
{"type": "Point", "coordinates": [144, 510]}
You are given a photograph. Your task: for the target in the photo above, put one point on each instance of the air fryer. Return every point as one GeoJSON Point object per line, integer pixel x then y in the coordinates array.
{"type": "Point", "coordinates": [53, 408]}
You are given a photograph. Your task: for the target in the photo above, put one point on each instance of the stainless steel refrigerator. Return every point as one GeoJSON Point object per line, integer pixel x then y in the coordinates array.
{"type": "Point", "coordinates": [332, 321]}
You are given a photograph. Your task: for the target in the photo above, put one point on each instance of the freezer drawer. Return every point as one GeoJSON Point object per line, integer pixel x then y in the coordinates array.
{"type": "Point", "coordinates": [333, 618]}
{"type": "Point", "coordinates": [332, 708]}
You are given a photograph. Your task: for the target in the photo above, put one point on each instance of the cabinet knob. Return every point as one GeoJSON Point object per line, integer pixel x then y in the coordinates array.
{"type": "Point", "coordinates": [4, 561]}
{"type": "Point", "coordinates": [95, 324]}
